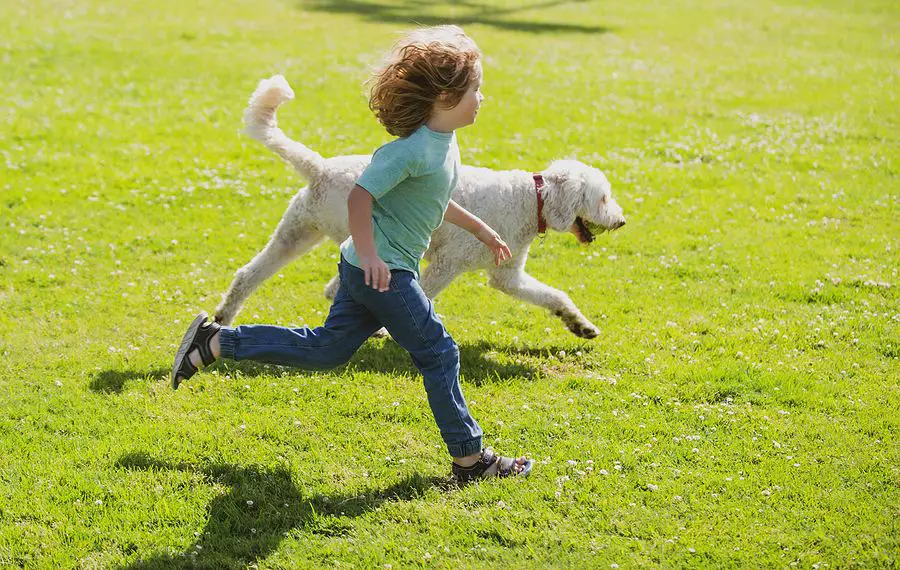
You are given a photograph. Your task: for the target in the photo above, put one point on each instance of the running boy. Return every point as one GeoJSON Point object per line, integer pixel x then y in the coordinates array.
{"type": "Point", "coordinates": [427, 88]}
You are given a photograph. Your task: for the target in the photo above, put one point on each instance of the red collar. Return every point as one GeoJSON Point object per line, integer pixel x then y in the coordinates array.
{"type": "Point", "coordinates": [538, 184]}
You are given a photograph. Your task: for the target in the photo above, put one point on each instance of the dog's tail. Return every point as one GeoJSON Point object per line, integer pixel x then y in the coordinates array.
{"type": "Point", "coordinates": [260, 123]}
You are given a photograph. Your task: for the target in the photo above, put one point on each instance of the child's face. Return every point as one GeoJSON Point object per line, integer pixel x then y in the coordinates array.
{"type": "Point", "coordinates": [464, 113]}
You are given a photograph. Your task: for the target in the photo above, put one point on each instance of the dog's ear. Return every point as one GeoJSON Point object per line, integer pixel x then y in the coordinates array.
{"type": "Point", "coordinates": [562, 195]}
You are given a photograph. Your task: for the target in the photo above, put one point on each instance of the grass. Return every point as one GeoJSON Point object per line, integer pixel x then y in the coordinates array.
{"type": "Point", "coordinates": [740, 409]}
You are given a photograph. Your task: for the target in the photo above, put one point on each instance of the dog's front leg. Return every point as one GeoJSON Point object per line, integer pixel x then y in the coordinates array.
{"type": "Point", "coordinates": [517, 283]}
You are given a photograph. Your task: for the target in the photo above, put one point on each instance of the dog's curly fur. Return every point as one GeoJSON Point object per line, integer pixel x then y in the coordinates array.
{"type": "Point", "coordinates": [577, 199]}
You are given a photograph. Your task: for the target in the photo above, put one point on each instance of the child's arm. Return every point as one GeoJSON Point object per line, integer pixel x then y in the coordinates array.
{"type": "Point", "coordinates": [468, 221]}
{"type": "Point", "coordinates": [359, 206]}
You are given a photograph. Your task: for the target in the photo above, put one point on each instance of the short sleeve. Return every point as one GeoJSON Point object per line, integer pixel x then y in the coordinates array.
{"type": "Point", "coordinates": [390, 166]}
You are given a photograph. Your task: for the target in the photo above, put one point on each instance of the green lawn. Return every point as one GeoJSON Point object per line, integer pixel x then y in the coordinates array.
{"type": "Point", "coordinates": [741, 407]}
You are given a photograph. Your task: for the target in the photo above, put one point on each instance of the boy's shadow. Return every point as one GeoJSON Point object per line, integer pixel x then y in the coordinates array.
{"type": "Point", "coordinates": [263, 506]}
{"type": "Point", "coordinates": [113, 381]}
{"type": "Point", "coordinates": [481, 363]}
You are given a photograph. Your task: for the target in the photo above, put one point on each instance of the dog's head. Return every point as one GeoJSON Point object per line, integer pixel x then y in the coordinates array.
{"type": "Point", "coordinates": [578, 199]}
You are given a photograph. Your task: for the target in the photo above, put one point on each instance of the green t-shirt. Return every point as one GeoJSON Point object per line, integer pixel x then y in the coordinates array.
{"type": "Point", "coordinates": [411, 180]}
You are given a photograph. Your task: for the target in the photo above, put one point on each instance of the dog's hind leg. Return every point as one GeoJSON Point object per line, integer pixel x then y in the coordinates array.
{"type": "Point", "coordinates": [286, 244]}
{"type": "Point", "coordinates": [332, 287]}
{"type": "Point", "coordinates": [515, 282]}
{"type": "Point", "coordinates": [436, 277]}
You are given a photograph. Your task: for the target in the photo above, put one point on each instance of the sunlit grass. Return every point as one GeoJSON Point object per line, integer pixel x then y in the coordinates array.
{"type": "Point", "coordinates": [739, 409]}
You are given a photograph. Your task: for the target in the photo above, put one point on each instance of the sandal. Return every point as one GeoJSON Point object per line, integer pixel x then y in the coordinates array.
{"type": "Point", "coordinates": [506, 467]}
{"type": "Point", "coordinates": [196, 338]}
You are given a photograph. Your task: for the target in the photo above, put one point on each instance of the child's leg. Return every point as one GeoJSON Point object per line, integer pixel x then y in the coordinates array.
{"type": "Point", "coordinates": [409, 316]}
{"type": "Point", "coordinates": [348, 325]}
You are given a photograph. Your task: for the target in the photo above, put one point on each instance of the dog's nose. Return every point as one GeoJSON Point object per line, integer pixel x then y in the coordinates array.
{"type": "Point", "coordinates": [619, 224]}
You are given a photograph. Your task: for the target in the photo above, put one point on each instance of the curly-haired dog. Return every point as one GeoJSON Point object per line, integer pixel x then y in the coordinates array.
{"type": "Point", "coordinates": [567, 196]}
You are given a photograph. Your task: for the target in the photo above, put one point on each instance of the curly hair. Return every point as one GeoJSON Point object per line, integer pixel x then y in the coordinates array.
{"type": "Point", "coordinates": [426, 65]}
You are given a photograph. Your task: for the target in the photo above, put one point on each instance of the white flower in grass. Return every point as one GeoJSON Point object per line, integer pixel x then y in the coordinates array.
{"type": "Point", "coordinates": [604, 472]}
{"type": "Point", "coordinates": [766, 492]}
{"type": "Point", "coordinates": [572, 462]}
{"type": "Point", "coordinates": [776, 444]}
{"type": "Point", "coordinates": [249, 503]}
{"type": "Point", "coordinates": [98, 502]}
{"type": "Point", "coordinates": [652, 487]}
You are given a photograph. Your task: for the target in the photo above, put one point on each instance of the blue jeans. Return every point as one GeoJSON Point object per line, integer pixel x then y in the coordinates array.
{"type": "Point", "coordinates": [358, 311]}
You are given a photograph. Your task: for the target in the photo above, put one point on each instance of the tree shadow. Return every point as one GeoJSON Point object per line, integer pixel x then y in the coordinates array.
{"type": "Point", "coordinates": [412, 12]}
{"type": "Point", "coordinates": [262, 507]}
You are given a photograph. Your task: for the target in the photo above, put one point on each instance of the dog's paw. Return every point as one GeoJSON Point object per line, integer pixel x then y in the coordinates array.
{"type": "Point", "coordinates": [582, 328]}
{"type": "Point", "coordinates": [586, 331]}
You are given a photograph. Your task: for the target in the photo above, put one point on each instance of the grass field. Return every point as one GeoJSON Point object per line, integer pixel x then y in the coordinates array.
{"type": "Point", "coordinates": [740, 409]}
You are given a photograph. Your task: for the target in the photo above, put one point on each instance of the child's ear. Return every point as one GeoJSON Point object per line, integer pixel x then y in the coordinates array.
{"type": "Point", "coordinates": [443, 100]}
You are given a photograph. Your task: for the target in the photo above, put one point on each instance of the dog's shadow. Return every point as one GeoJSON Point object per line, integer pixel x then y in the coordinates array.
{"type": "Point", "coordinates": [262, 507]}
{"type": "Point", "coordinates": [466, 12]}
{"type": "Point", "coordinates": [481, 363]}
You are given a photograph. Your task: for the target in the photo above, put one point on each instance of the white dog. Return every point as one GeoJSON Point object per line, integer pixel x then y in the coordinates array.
{"type": "Point", "coordinates": [575, 198]}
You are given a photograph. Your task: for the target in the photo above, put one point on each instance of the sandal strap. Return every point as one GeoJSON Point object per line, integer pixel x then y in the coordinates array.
{"type": "Point", "coordinates": [507, 467]}
{"type": "Point", "coordinates": [185, 370]}
{"type": "Point", "coordinates": [476, 470]}
{"type": "Point", "coordinates": [201, 342]}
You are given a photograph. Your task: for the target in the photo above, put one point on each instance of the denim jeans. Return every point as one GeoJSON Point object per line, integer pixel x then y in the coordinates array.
{"type": "Point", "coordinates": [358, 311]}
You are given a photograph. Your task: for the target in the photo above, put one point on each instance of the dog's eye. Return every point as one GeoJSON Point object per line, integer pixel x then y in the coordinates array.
{"type": "Point", "coordinates": [603, 199]}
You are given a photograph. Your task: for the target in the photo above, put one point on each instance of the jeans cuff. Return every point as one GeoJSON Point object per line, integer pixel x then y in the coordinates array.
{"type": "Point", "coordinates": [227, 342]}
{"type": "Point", "coordinates": [465, 448]}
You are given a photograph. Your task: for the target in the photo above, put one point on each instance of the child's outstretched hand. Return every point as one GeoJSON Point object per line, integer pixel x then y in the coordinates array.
{"type": "Point", "coordinates": [498, 247]}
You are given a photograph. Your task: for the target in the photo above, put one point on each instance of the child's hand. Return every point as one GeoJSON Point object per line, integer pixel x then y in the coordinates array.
{"type": "Point", "coordinates": [498, 247]}
{"type": "Point", "coordinates": [378, 274]}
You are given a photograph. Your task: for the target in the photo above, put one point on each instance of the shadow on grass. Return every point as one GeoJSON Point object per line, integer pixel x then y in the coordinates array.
{"type": "Point", "coordinates": [262, 507]}
{"type": "Point", "coordinates": [480, 363]}
{"type": "Point", "coordinates": [414, 12]}
{"type": "Point", "coordinates": [113, 381]}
